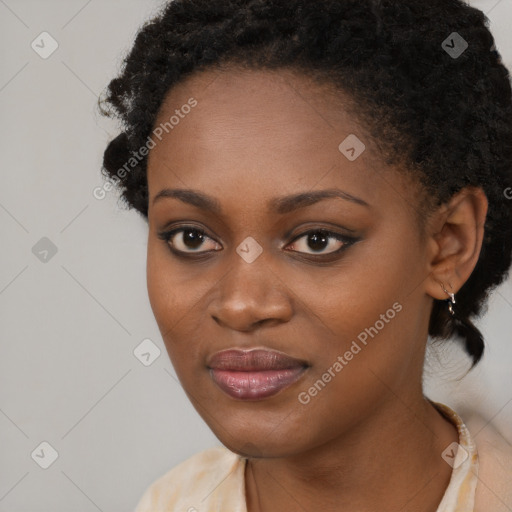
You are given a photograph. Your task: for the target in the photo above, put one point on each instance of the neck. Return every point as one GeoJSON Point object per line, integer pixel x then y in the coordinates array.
{"type": "Point", "coordinates": [390, 461]}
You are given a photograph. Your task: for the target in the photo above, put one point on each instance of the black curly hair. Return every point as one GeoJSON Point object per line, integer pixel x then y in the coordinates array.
{"type": "Point", "coordinates": [447, 116]}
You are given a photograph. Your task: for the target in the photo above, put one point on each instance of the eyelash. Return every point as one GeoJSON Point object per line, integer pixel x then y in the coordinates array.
{"type": "Point", "coordinates": [166, 236]}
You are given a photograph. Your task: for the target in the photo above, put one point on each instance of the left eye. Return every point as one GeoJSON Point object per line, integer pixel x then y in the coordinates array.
{"type": "Point", "coordinates": [318, 241]}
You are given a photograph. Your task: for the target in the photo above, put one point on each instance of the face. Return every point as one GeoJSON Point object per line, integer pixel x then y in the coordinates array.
{"type": "Point", "coordinates": [290, 314]}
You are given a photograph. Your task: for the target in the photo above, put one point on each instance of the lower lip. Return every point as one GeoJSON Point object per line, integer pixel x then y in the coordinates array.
{"type": "Point", "coordinates": [255, 385]}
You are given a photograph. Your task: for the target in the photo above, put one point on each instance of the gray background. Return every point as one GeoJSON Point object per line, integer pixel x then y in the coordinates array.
{"type": "Point", "coordinates": [70, 323]}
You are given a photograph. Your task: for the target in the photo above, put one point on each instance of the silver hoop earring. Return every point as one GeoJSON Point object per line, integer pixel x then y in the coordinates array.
{"type": "Point", "coordinates": [451, 300]}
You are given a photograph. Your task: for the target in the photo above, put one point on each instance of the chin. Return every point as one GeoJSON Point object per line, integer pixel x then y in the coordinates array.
{"type": "Point", "coordinates": [257, 445]}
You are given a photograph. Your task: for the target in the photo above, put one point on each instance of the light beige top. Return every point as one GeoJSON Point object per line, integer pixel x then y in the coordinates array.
{"type": "Point", "coordinates": [213, 480]}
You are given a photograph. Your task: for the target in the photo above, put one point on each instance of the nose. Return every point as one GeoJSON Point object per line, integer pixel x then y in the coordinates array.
{"type": "Point", "coordinates": [250, 295]}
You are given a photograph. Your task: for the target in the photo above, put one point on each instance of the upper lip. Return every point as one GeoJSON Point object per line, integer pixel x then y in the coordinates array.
{"type": "Point", "coordinates": [253, 360]}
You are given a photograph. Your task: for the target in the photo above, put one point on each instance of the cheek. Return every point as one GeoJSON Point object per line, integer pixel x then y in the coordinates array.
{"type": "Point", "coordinates": [170, 289]}
{"type": "Point", "coordinates": [358, 291]}
{"type": "Point", "coordinates": [167, 294]}
{"type": "Point", "coordinates": [161, 288]}
{"type": "Point", "coordinates": [367, 307]}
{"type": "Point", "coordinates": [177, 301]}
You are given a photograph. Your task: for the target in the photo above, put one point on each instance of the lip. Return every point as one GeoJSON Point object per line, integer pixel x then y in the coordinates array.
{"type": "Point", "coordinates": [254, 374]}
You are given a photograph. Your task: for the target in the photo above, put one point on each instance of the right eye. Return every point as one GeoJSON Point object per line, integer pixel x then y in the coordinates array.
{"type": "Point", "coordinates": [187, 240]}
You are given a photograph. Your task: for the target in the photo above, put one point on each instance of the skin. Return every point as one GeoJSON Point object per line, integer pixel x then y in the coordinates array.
{"type": "Point", "coordinates": [369, 440]}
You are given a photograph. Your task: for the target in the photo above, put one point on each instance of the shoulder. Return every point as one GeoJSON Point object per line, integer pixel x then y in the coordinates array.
{"type": "Point", "coordinates": [211, 477]}
{"type": "Point", "coordinates": [494, 486]}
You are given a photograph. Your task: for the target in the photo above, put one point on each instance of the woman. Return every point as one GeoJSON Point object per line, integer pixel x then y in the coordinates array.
{"type": "Point", "coordinates": [325, 185]}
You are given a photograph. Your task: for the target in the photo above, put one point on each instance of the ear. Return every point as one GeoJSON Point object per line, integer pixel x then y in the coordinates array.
{"type": "Point", "coordinates": [454, 239]}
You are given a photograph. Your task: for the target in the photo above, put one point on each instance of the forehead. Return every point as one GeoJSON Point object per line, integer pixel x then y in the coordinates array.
{"type": "Point", "coordinates": [283, 99]}
{"type": "Point", "coordinates": [266, 129]}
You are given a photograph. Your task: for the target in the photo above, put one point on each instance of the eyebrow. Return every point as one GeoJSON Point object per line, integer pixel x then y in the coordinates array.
{"type": "Point", "coordinates": [279, 205]}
